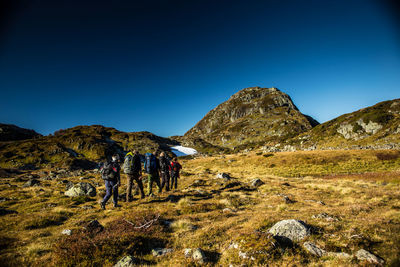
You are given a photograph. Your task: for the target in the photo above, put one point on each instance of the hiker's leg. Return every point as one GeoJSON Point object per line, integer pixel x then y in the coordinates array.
{"type": "Point", "coordinates": [140, 185]}
{"type": "Point", "coordinates": [162, 180]}
{"type": "Point", "coordinates": [115, 192]}
{"type": "Point", "coordinates": [149, 183]}
{"type": "Point", "coordinates": [167, 180]}
{"type": "Point", "coordinates": [157, 180]}
{"type": "Point", "coordinates": [108, 191]}
{"type": "Point", "coordinates": [129, 188]}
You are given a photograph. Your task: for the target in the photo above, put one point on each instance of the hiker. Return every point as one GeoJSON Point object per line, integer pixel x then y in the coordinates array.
{"type": "Point", "coordinates": [175, 168]}
{"type": "Point", "coordinates": [110, 173]}
{"type": "Point", "coordinates": [164, 171]}
{"type": "Point", "coordinates": [151, 167]}
{"type": "Point", "coordinates": [133, 169]}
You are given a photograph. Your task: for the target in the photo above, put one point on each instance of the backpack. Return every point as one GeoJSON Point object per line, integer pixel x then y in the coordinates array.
{"type": "Point", "coordinates": [175, 166]}
{"type": "Point", "coordinates": [128, 163]}
{"type": "Point", "coordinates": [107, 171]}
{"type": "Point", "coordinates": [150, 163]}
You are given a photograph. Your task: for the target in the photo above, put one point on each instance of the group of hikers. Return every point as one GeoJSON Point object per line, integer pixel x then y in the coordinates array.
{"type": "Point", "coordinates": [154, 167]}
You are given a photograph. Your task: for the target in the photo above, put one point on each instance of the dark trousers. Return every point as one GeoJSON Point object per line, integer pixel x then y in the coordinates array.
{"type": "Point", "coordinates": [129, 181]}
{"type": "Point", "coordinates": [111, 189]}
{"type": "Point", "coordinates": [174, 180]}
{"type": "Point", "coordinates": [165, 180]}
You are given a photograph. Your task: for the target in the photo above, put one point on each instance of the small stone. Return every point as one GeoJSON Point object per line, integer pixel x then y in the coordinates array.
{"type": "Point", "coordinates": [228, 210]}
{"type": "Point", "coordinates": [187, 252]}
{"type": "Point", "coordinates": [66, 232]}
{"type": "Point", "coordinates": [326, 217]}
{"type": "Point", "coordinates": [256, 182]}
{"type": "Point", "coordinates": [362, 254]}
{"type": "Point", "coordinates": [224, 176]}
{"type": "Point", "coordinates": [198, 255]}
{"type": "Point", "coordinates": [314, 249]}
{"type": "Point", "coordinates": [32, 182]}
{"type": "Point", "coordinates": [161, 251]}
{"type": "Point", "coordinates": [127, 261]}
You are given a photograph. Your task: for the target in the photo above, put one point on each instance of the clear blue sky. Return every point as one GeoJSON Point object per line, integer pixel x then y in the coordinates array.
{"type": "Point", "coordinates": [162, 65]}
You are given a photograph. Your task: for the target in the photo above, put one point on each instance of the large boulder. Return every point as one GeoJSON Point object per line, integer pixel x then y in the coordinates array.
{"type": "Point", "coordinates": [295, 230]}
{"type": "Point", "coordinates": [81, 189]}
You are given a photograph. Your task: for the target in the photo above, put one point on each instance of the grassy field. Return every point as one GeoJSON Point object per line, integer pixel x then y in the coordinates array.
{"type": "Point", "coordinates": [358, 189]}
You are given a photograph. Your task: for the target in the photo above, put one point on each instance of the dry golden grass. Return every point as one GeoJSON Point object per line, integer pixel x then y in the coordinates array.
{"type": "Point", "coordinates": [355, 187]}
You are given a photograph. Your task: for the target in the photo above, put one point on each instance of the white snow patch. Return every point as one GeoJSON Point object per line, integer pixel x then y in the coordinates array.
{"type": "Point", "coordinates": [183, 151]}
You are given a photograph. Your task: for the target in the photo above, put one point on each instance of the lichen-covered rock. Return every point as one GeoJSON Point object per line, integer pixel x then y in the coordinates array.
{"type": "Point", "coordinates": [199, 256]}
{"type": "Point", "coordinates": [314, 249]}
{"type": "Point", "coordinates": [127, 261]}
{"type": "Point", "coordinates": [161, 251]}
{"type": "Point", "coordinates": [31, 182]}
{"type": "Point", "coordinates": [295, 230]}
{"type": "Point", "coordinates": [224, 176]}
{"type": "Point", "coordinates": [362, 254]}
{"type": "Point", "coordinates": [81, 189]}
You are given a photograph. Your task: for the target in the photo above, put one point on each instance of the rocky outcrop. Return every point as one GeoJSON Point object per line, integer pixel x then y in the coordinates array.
{"type": "Point", "coordinates": [253, 115]}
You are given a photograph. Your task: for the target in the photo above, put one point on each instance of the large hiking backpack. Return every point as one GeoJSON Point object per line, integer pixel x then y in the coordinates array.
{"type": "Point", "coordinates": [150, 163]}
{"type": "Point", "coordinates": [128, 164]}
{"type": "Point", "coordinates": [175, 166]}
{"type": "Point", "coordinates": [107, 171]}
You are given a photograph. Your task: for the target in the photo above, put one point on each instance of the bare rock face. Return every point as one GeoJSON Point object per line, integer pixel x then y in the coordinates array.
{"type": "Point", "coordinates": [252, 115]}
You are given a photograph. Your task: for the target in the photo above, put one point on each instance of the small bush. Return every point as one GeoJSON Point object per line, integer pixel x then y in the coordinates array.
{"type": "Point", "coordinates": [120, 237]}
{"type": "Point", "coordinates": [387, 155]}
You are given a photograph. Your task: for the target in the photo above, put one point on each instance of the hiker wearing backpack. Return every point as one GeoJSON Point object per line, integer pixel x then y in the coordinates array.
{"type": "Point", "coordinates": [110, 174]}
{"type": "Point", "coordinates": [164, 171]}
{"type": "Point", "coordinates": [133, 169]}
{"type": "Point", "coordinates": [151, 166]}
{"type": "Point", "coordinates": [175, 168]}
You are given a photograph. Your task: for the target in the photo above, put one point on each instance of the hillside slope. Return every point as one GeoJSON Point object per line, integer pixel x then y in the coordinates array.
{"type": "Point", "coordinates": [376, 126]}
{"type": "Point", "coordinates": [251, 117]}
{"type": "Point", "coordinates": [77, 147]}
{"type": "Point", "coordinates": [9, 132]}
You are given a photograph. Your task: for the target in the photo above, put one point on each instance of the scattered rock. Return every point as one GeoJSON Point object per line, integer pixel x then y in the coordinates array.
{"type": "Point", "coordinates": [326, 217]}
{"type": "Point", "coordinates": [295, 230]}
{"type": "Point", "coordinates": [228, 210]}
{"type": "Point", "coordinates": [66, 232]}
{"type": "Point", "coordinates": [286, 184]}
{"type": "Point", "coordinates": [198, 255]}
{"type": "Point", "coordinates": [188, 252]}
{"type": "Point", "coordinates": [81, 189]}
{"type": "Point", "coordinates": [127, 261]}
{"type": "Point", "coordinates": [256, 182]}
{"type": "Point", "coordinates": [224, 176]}
{"type": "Point", "coordinates": [87, 207]}
{"type": "Point", "coordinates": [342, 255]}
{"type": "Point", "coordinates": [161, 251]}
{"type": "Point", "coordinates": [314, 249]}
{"type": "Point", "coordinates": [94, 227]}
{"type": "Point", "coordinates": [31, 182]}
{"type": "Point", "coordinates": [362, 254]}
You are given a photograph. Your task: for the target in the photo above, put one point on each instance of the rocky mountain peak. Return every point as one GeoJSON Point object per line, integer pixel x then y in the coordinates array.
{"type": "Point", "coordinates": [252, 115]}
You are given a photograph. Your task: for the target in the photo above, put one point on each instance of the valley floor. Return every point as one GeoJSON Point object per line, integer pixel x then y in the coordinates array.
{"type": "Point", "coordinates": [350, 198]}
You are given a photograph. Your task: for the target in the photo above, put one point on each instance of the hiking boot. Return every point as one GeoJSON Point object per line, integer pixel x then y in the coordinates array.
{"type": "Point", "coordinates": [117, 205]}
{"type": "Point", "coordinates": [102, 205]}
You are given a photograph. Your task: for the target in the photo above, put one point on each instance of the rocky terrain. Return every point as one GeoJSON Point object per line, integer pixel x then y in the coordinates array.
{"type": "Point", "coordinates": [252, 117]}
{"type": "Point", "coordinates": [315, 208]}
{"type": "Point", "coordinates": [375, 127]}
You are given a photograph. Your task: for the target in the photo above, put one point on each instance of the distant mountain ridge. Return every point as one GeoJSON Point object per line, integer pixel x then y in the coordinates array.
{"type": "Point", "coordinates": [251, 117]}
{"type": "Point", "coordinates": [254, 118]}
